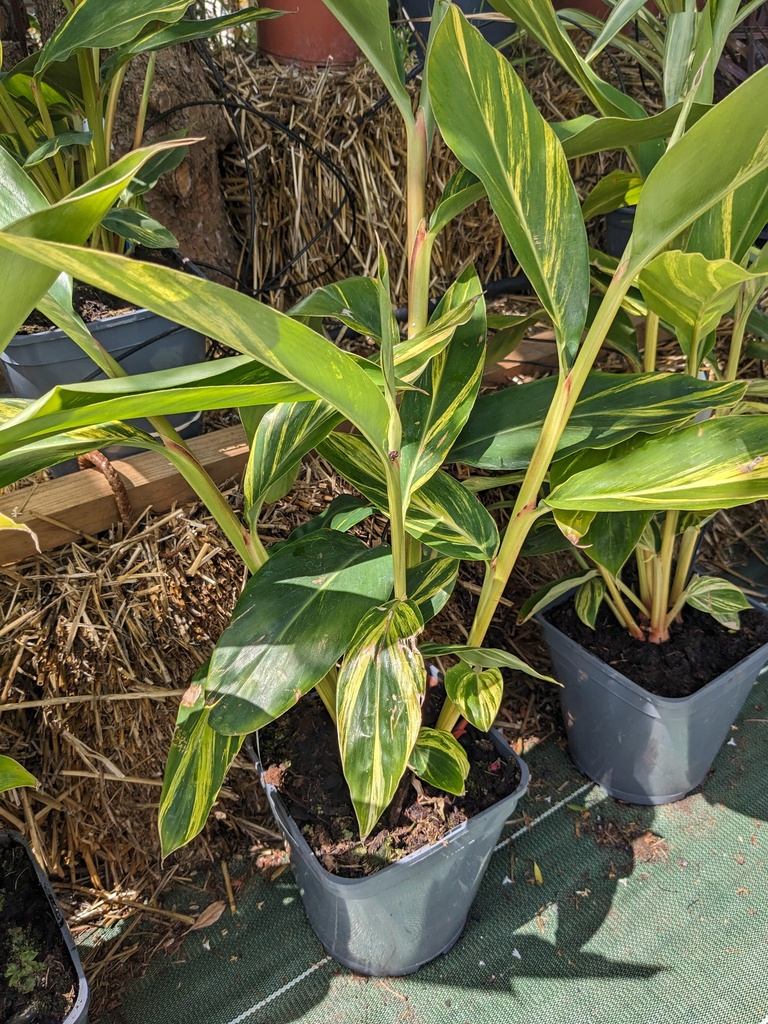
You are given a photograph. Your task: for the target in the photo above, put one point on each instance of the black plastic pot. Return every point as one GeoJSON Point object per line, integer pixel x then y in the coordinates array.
{"type": "Point", "coordinates": [79, 1012]}
{"type": "Point", "coordinates": [394, 921]}
{"type": "Point", "coordinates": [639, 747]}
{"type": "Point", "coordinates": [494, 30]}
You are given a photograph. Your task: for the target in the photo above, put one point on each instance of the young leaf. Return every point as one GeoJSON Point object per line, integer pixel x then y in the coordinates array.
{"type": "Point", "coordinates": [354, 302]}
{"type": "Point", "coordinates": [718, 598]}
{"type": "Point", "coordinates": [296, 617]}
{"type": "Point", "coordinates": [477, 695]}
{"type": "Point", "coordinates": [139, 228]}
{"type": "Point", "coordinates": [619, 188]}
{"type": "Point", "coordinates": [6, 523]}
{"type": "Point", "coordinates": [551, 591]}
{"type": "Point", "coordinates": [378, 706]}
{"type": "Point", "coordinates": [482, 657]}
{"type": "Point", "coordinates": [12, 775]}
{"type": "Point", "coordinates": [62, 141]}
{"type": "Point", "coordinates": [439, 759]}
{"type": "Point", "coordinates": [588, 599]}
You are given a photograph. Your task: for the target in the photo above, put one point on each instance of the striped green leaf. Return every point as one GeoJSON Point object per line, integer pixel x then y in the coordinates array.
{"type": "Point", "coordinates": [12, 775]}
{"type": "Point", "coordinates": [378, 706]}
{"type": "Point", "coordinates": [503, 428]}
{"type": "Point", "coordinates": [551, 591]}
{"type": "Point", "coordinates": [721, 463]}
{"type": "Point", "coordinates": [354, 302]}
{"type": "Point", "coordinates": [198, 761]}
{"type": "Point", "coordinates": [285, 346]}
{"type": "Point", "coordinates": [490, 122]}
{"type": "Point", "coordinates": [439, 759]}
{"type": "Point", "coordinates": [476, 694]}
{"type": "Point", "coordinates": [619, 188]}
{"type": "Point", "coordinates": [296, 617]}
{"type": "Point", "coordinates": [622, 13]}
{"type": "Point", "coordinates": [588, 599]}
{"type": "Point", "coordinates": [718, 598]}
{"type": "Point", "coordinates": [730, 227]}
{"type": "Point", "coordinates": [442, 514]}
{"type": "Point", "coordinates": [213, 385]}
{"type": "Point", "coordinates": [586, 134]}
{"type": "Point", "coordinates": [462, 191]}
{"type": "Point", "coordinates": [283, 437]}
{"type": "Point", "coordinates": [430, 584]}
{"type": "Point", "coordinates": [26, 217]}
{"type": "Point", "coordinates": [367, 21]}
{"type": "Point", "coordinates": [696, 173]}
{"type": "Point", "coordinates": [482, 657]}
{"type": "Point", "coordinates": [434, 413]}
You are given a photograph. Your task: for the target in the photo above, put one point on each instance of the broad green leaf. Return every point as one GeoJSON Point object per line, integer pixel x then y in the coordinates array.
{"type": "Point", "coordinates": [462, 191]}
{"type": "Point", "coordinates": [678, 53]}
{"type": "Point", "coordinates": [167, 160]}
{"type": "Point", "coordinates": [718, 598]}
{"type": "Point", "coordinates": [157, 37]}
{"type": "Point", "coordinates": [442, 514]}
{"type": "Point", "coordinates": [354, 302]}
{"type": "Point", "coordinates": [480, 104]}
{"type": "Point", "coordinates": [586, 134]}
{"type": "Point", "coordinates": [430, 584]}
{"type": "Point", "coordinates": [721, 463]}
{"type": "Point", "coordinates": [283, 437]}
{"type": "Point", "coordinates": [378, 706]}
{"type": "Point", "coordinates": [482, 657]}
{"type": "Point", "coordinates": [93, 24]}
{"type": "Point", "coordinates": [234, 319]}
{"type": "Point", "coordinates": [217, 384]}
{"type": "Point", "coordinates": [696, 172]}
{"type": "Point", "coordinates": [12, 775]}
{"type": "Point", "coordinates": [367, 21]}
{"type": "Point", "coordinates": [6, 523]}
{"type": "Point", "coordinates": [23, 281]}
{"type": "Point", "coordinates": [477, 695]}
{"type": "Point", "coordinates": [434, 413]}
{"type": "Point", "coordinates": [139, 228]}
{"type": "Point", "coordinates": [439, 759]}
{"type": "Point", "coordinates": [296, 617]}
{"type": "Point", "coordinates": [62, 141]}
{"type": "Point", "coordinates": [550, 592]}
{"type": "Point", "coordinates": [588, 599]}
{"type": "Point", "coordinates": [692, 293]}
{"type": "Point", "coordinates": [619, 188]}
{"type": "Point", "coordinates": [503, 428]}
{"type": "Point", "coordinates": [198, 761]}
{"type": "Point", "coordinates": [613, 536]}
{"type": "Point", "coordinates": [412, 355]}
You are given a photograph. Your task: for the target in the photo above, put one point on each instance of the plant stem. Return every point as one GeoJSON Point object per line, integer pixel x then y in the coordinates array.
{"type": "Point", "coordinates": [621, 611]}
{"type": "Point", "coordinates": [662, 573]}
{"type": "Point", "coordinates": [141, 117]}
{"type": "Point", "coordinates": [326, 690]}
{"type": "Point", "coordinates": [418, 252]}
{"type": "Point", "coordinates": [685, 554]}
{"type": "Point", "coordinates": [87, 62]}
{"type": "Point", "coordinates": [114, 96]}
{"type": "Point", "coordinates": [651, 342]}
{"type": "Point", "coordinates": [397, 532]}
{"type": "Point", "coordinates": [412, 551]}
{"type": "Point", "coordinates": [43, 175]}
{"type": "Point", "coordinates": [45, 117]}
{"type": "Point", "coordinates": [737, 337]}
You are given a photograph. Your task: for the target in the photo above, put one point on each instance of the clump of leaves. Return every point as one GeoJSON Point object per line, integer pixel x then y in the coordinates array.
{"type": "Point", "coordinates": [23, 970]}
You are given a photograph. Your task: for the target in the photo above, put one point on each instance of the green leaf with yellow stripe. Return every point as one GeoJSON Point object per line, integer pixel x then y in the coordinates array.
{"type": "Point", "coordinates": [295, 619]}
{"type": "Point", "coordinates": [442, 513]}
{"type": "Point", "coordinates": [430, 584]}
{"type": "Point", "coordinates": [482, 657]}
{"type": "Point", "coordinates": [490, 122]}
{"type": "Point", "coordinates": [476, 693]}
{"type": "Point", "coordinates": [198, 761]}
{"type": "Point", "coordinates": [439, 759]}
{"type": "Point", "coordinates": [378, 706]}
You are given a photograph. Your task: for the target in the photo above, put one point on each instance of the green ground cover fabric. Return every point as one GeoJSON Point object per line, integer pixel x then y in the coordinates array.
{"type": "Point", "coordinates": [642, 916]}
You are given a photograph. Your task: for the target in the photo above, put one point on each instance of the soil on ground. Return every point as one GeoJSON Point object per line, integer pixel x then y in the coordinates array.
{"type": "Point", "coordinates": [38, 983]}
{"type": "Point", "coordinates": [301, 755]}
{"type": "Point", "coordinates": [698, 651]}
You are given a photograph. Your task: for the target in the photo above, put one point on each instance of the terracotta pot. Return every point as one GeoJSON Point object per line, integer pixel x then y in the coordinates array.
{"type": "Point", "coordinates": [309, 34]}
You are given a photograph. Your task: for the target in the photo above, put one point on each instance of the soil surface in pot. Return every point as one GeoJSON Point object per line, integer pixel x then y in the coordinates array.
{"type": "Point", "coordinates": [301, 753]}
{"type": "Point", "coordinates": [38, 983]}
{"type": "Point", "coordinates": [698, 651]}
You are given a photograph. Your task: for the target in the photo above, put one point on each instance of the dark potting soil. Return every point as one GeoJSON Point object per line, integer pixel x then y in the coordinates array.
{"type": "Point", "coordinates": [699, 648]}
{"type": "Point", "coordinates": [38, 983]}
{"type": "Point", "coordinates": [301, 755]}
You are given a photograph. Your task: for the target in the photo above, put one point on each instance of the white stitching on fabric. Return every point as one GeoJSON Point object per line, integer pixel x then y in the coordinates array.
{"type": "Point", "coordinates": [265, 1002]}
{"type": "Point", "coordinates": [546, 814]}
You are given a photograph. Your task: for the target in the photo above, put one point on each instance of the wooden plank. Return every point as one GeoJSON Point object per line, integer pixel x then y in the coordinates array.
{"type": "Point", "coordinates": [82, 504]}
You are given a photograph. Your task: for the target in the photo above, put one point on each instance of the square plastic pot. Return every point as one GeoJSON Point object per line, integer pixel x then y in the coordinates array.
{"type": "Point", "coordinates": [79, 1012]}
{"type": "Point", "coordinates": [141, 341]}
{"type": "Point", "coordinates": [638, 747]}
{"type": "Point", "coordinates": [392, 922]}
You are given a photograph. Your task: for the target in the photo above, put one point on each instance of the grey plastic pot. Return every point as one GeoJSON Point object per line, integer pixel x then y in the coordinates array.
{"type": "Point", "coordinates": [79, 1012]}
{"type": "Point", "coordinates": [494, 30]}
{"type": "Point", "coordinates": [396, 920]}
{"type": "Point", "coordinates": [639, 747]}
{"type": "Point", "coordinates": [140, 341]}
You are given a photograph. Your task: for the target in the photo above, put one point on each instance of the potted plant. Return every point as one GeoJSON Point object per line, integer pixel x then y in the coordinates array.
{"type": "Point", "coordinates": [57, 113]}
{"type": "Point", "coordinates": [323, 611]}
{"type": "Point", "coordinates": [42, 978]}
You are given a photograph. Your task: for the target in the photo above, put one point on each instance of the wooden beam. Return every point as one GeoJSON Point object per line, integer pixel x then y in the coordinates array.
{"type": "Point", "coordinates": [83, 504]}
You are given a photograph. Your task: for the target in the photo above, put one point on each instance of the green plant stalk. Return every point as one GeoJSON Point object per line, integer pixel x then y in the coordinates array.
{"type": "Point", "coordinates": [651, 342]}
{"type": "Point", "coordinates": [685, 554]}
{"type": "Point", "coordinates": [112, 100]}
{"type": "Point", "coordinates": [737, 336]}
{"type": "Point", "coordinates": [398, 536]}
{"type": "Point", "coordinates": [662, 573]}
{"type": "Point", "coordinates": [418, 252]}
{"type": "Point", "coordinates": [141, 117]}
{"type": "Point", "coordinates": [42, 174]}
{"type": "Point", "coordinates": [93, 111]}
{"type": "Point", "coordinates": [326, 691]}
{"type": "Point", "coordinates": [645, 583]}
{"type": "Point", "coordinates": [65, 184]}
{"type": "Point", "coordinates": [622, 613]}
{"type": "Point", "coordinates": [412, 551]}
